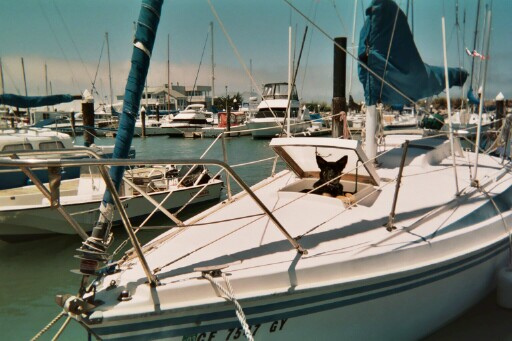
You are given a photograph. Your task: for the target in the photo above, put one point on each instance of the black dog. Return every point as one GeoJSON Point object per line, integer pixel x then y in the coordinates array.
{"type": "Point", "coordinates": [329, 171]}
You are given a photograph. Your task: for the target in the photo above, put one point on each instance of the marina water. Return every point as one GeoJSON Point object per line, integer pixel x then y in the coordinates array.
{"type": "Point", "coordinates": [34, 272]}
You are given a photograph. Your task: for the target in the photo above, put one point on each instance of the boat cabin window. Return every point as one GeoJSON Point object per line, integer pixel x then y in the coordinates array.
{"type": "Point", "coordinates": [18, 146]}
{"type": "Point", "coordinates": [51, 145]}
{"type": "Point", "coordinates": [278, 112]}
{"type": "Point", "coordinates": [278, 91]}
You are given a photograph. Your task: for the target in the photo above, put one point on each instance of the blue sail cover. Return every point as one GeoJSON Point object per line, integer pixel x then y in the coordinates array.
{"type": "Point", "coordinates": [472, 98]}
{"type": "Point", "coordinates": [405, 69]}
{"type": "Point", "coordinates": [35, 101]}
{"type": "Point", "coordinates": [147, 25]}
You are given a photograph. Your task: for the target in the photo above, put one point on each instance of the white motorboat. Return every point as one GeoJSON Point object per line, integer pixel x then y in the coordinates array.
{"type": "Point", "coordinates": [34, 139]}
{"type": "Point", "coordinates": [270, 118]}
{"type": "Point", "coordinates": [189, 121]}
{"type": "Point", "coordinates": [153, 126]}
{"type": "Point", "coordinates": [26, 213]}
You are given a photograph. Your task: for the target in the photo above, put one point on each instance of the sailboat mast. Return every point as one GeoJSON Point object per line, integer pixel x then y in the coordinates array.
{"type": "Point", "coordinates": [250, 77]}
{"type": "Point", "coordinates": [474, 44]}
{"type": "Point", "coordinates": [46, 78]}
{"type": "Point", "coordinates": [2, 76]}
{"type": "Point", "coordinates": [26, 91]}
{"type": "Point", "coordinates": [288, 109]}
{"type": "Point", "coordinates": [487, 39]}
{"type": "Point", "coordinates": [168, 73]}
{"type": "Point", "coordinates": [46, 82]}
{"type": "Point", "coordinates": [213, 65]}
{"type": "Point", "coordinates": [109, 75]}
{"type": "Point", "coordinates": [353, 49]}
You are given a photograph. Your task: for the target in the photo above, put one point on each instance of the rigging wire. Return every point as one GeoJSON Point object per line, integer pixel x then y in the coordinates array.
{"type": "Point", "coordinates": [339, 16]}
{"type": "Point", "coordinates": [98, 67]}
{"type": "Point", "coordinates": [6, 71]}
{"type": "Point", "coordinates": [389, 51]}
{"type": "Point", "coordinates": [309, 50]}
{"type": "Point", "coordinates": [240, 60]}
{"type": "Point", "coordinates": [73, 42]}
{"type": "Point", "coordinates": [363, 65]}
{"type": "Point", "coordinates": [199, 68]}
{"type": "Point", "coordinates": [66, 59]}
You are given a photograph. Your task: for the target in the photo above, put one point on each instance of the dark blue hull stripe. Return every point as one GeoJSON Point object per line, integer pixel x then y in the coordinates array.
{"type": "Point", "coordinates": [391, 287]}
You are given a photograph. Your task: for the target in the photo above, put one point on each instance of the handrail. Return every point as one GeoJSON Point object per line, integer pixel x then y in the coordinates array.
{"type": "Point", "coordinates": [29, 163]}
{"type": "Point", "coordinates": [71, 151]}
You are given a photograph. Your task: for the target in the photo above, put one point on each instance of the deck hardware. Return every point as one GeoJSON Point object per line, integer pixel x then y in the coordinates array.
{"type": "Point", "coordinates": [124, 296]}
{"type": "Point", "coordinates": [390, 224]}
{"type": "Point", "coordinates": [54, 177]}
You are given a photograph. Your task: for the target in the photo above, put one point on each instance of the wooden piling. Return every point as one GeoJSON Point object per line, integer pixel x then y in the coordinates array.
{"type": "Point", "coordinates": [88, 120]}
{"type": "Point", "coordinates": [339, 101]}
{"type": "Point", "coordinates": [143, 121]}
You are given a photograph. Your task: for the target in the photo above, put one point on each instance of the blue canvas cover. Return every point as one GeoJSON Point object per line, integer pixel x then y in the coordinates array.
{"type": "Point", "coordinates": [405, 69]}
{"type": "Point", "coordinates": [35, 101]}
{"type": "Point", "coordinates": [147, 25]}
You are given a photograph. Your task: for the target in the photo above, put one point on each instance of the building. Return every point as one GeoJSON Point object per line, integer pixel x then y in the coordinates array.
{"type": "Point", "coordinates": [177, 98]}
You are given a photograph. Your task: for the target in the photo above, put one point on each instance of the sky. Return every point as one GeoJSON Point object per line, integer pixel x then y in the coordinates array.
{"type": "Point", "coordinates": [69, 38]}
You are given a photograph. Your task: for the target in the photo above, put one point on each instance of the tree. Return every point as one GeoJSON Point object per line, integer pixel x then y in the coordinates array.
{"type": "Point", "coordinates": [220, 102]}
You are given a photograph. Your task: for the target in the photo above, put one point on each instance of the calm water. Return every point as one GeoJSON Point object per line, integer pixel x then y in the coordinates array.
{"type": "Point", "coordinates": [34, 272]}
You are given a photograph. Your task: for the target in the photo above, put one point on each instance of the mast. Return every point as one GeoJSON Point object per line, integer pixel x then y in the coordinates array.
{"type": "Point", "coordinates": [2, 79]}
{"type": "Point", "coordinates": [474, 44]}
{"type": "Point", "coordinates": [353, 49]}
{"type": "Point", "coordinates": [94, 247]}
{"type": "Point", "coordinates": [26, 91]}
{"type": "Point", "coordinates": [2, 76]}
{"type": "Point", "coordinates": [288, 109]}
{"type": "Point", "coordinates": [168, 73]}
{"type": "Point", "coordinates": [46, 82]}
{"type": "Point", "coordinates": [447, 85]}
{"type": "Point", "coordinates": [213, 65]}
{"type": "Point", "coordinates": [487, 39]}
{"type": "Point", "coordinates": [110, 76]}
{"type": "Point", "coordinates": [250, 78]}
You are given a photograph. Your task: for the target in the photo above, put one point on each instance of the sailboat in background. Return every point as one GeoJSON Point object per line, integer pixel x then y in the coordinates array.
{"type": "Point", "coordinates": [387, 239]}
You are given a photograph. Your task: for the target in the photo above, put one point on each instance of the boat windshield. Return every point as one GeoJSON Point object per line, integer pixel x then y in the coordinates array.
{"type": "Point", "coordinates": [265, 113]}
{"type": "Point", "coordinates": [278, 91]}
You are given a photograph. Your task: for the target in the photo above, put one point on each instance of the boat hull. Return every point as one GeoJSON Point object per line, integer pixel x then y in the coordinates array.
{"type": "Point", "coordinates": [266, 129]}
{"type": "Point", "coordinates": [153, 131]}
{"type": "Point", "coordinates": [240, 130]}
{"type": "Point", "coordinates": [404, 306]}
{"type": "Point", "coordinates": [35, 221]}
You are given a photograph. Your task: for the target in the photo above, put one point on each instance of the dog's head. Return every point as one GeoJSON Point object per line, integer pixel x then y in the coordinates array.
{"type": "Point", "coordinates": [328, 172]}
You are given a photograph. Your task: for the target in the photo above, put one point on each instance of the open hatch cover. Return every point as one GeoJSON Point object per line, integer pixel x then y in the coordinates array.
{"type": "Point", "coordinates": [299, 153]}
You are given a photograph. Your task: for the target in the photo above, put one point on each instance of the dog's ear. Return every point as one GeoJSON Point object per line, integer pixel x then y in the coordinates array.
{"type": "Point", "coordinates": [320, 161]}
{"type": "Point", "coordinates": [341, 163]}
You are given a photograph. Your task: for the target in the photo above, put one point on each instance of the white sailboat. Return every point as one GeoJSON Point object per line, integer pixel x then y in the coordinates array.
{"type": "Point", "coordinates": [339, 245]}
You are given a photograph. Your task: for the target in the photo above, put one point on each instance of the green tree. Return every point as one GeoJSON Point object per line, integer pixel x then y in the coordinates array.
{"type": "Point", "coordinates": [221, 101]}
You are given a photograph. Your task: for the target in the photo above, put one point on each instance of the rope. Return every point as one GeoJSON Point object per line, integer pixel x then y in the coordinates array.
{"type": "Point", "coordinates": [228, 292]}
{"type": "Point", "coordinates": [389, 51]}
{"type": "Point", "coordinates": [64, 325]}
{"type": "Point", "coordinates": [48, 326]}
